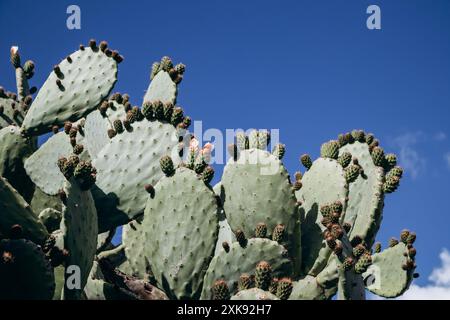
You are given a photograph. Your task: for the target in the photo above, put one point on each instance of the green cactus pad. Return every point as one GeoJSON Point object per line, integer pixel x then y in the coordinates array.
{"type": "Point", "coordinates": [254, 294]}
{"type": "Point", "coordinates": [134, 241]}
{"type": "Point", "coordinates": [125, 165]}
{"type": "Point", "coordinates": [307, 289]}
{"type": "Point", "coordinates": [181, 227]}
{"type": "Point", "coordinates": [42, 201]}
{"type": "Point", "coordinates": [96, 126]}
{"type": "Point", "coordinates": [7, 116]}
{"type": "Point", "coordinates": [14, 149]}
{"type": "Point", "coordinates": [85, 79]}
{"type": "Point", "coordinates": [79, 228]}
{"type": "Point", "coordinates": [25, 273]}
{"type": "Point", "coordinates": [386, 275]}
{"type": "Point", "coordinates": [269, 197]}
{"type": "Point", "coordinates": [323, 183]}
{"type": "Point", "coordinates": [42, 165]}
{"type": "Point", "coordinates": [162, 87]}
{"type": "Point", "coordinates": [15, 210]}
{"type": "Point", "coordinates": [366, 198]}
{"type": "Point", "coordinates": [239, 260]}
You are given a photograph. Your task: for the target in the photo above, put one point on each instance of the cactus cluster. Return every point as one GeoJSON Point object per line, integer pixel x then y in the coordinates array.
{"type": "Point", "coordinates": [257, 234]}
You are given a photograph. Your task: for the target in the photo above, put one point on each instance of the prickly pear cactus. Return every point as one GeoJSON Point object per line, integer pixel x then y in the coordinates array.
{"type": "Point", "coordinates": [182, 224]}
{"type": "Point", "coordinates": [270, 197]}
{"type": "Point", "coordinates": [79, 226]}
{"type": "Point", "coordinates": [14, 149]}
{"type": "Point", "coordinates": [25, 272]}
{"type": "Point", "coordinates": [76, 86]}
{"type": "Point", "coordinates": [16, 211]}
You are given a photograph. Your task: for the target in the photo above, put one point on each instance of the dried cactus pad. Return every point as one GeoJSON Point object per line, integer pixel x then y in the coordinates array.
{"type": "Point", "coordinates": [389, 278]}
{"type": "Point", "coordinates": [180, 227]}
{"type": "Point", "coordinates": [257, 190]}
{"type": "Point", "coordinates": [42, 165]}
{"type": "Point", "coordinates": [323, 183]}
{"type": "Point", "coordinates": [125, 165]}
{"type": "Point", "coordinates": [161, 88]}
{"type": "Point", "coordinates": [15, 210]}
{"type": "Point", "coordinates": [14, 149]}
{"type": "Point", "coordinates": [239, 260]}
{"type": "Point", "coordinates": [77, 87]}
{"type": "Point", "coordinates": [25, 273]}
{"type": "Point", "coordinates": [79, 228]}
{"type": "Point", "coordinates": [366, 198]}
{"type": "Point", "coordinates": [254, 294]}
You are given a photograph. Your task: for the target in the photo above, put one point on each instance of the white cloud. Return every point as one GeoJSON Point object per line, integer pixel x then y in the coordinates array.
{"type": "Point", "coordinates": [447, 159]}
{"type": "Point", "coordinates": [440, 136]}
{"type": "Point", "coordinates": [439, 287]}
{"type": "Point", "coordinates": [409, 157]}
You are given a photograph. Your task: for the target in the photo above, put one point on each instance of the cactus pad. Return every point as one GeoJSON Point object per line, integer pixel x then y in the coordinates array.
{"type": "Point", "coordinates": [79, 228]}
{"type": "Point", "coordinates": [239, 260]}
{"type": "Point", "coordinates": [20, 261]}
{"type": "Point", "coordinates": [181, 226]}
{"type": "Point", "coordinates": [254, 294]}
{"type": "Point", "coordinates": [77, 86]}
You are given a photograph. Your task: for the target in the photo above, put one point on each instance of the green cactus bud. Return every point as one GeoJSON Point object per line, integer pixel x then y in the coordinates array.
{"type": "Point", "coordinates": [306, 161]}
{"type": "Point", "coordinates": [85, 175]}
{"type": "Point", "coordinates": [284, 289]}
{"type": "Point", "coordinates": [325, 210]}
{"type": "Point", "coordinates": [177, 116]}
{"type": "Point", "coordinates": [156, 67]}
{"type": "Point", "coordinates": [220, 290]}
{"type": "Point", "coordinates": [330, 150]}
{"type": "Point", "coordinates": [253, 139]}
{"type": "Point", "coordinates": [112, 133]}
{"type": "Point", "coordinates": [349, 138]}
{"type": "Point", "coordinates": [245, 282]}
{"type": "Point", "coordinates": [279, 150]}
{"type": "Point", "coordinates": [356, 240]}
{"type": "Point", "coordinates": [263, 275]}
{"type": "Point", "coordinates": [342, 140]}
{"type": "Point", "coordinates": [359, 135]}
{"type": "Point", "coordinates": [336, 207]}
{"type": "Point", "coordinates": [345, 159]}
{"type": "Point", "coordinates": [226, 246]}
{"type": "Point", "coordinates": [411, 238]}
{"type": "Point", "coordinates": [241, 140]}
{"type": "Point", "coordinates": [377, 247]}
{"type": "Point", "coordinates": [208, 174]}
{"type": "Point", "coordinates": [166, 63]}
{"type": "Point", "coordinates": [404, 236]}
{"type": "Point", "coordinates": [273, 286]}
{"type": "Point", "coordinates": [378, 156]}
{"type": "Point", "coordinates": [261, 230]}
{"type": "Point", "coordinates": [391, 184]}
{"type": "Point", "coordinates": [336, 231]}
{"type": "Point", "coordinates": [393, 242]}
{"type": "Point", "coordinates": [263, 139]}
{"type": "Point", "coordinates": [359, 250]}
{"type": "Point", "coordinates": [363, 263]}
{"type": "Point", "coordinates": [180, 68]}
{"type": "Point", "coordinates": [369, 138]}
{"type": "Point", "coordinates": [352, 173]}
{"type": "Point", "coordinates": [78, 149]}
{"type": "Point", "coordinates": [298, 176]}
{"type": "Point", "coordinates": [297, 185]}
{"type": "Point", "coordinates": [412, 252]}
{"type": "Point", "coordinates": [348, 263]}
{"type": "Point", "coordinates": [396, 172]}
{"type": "Point", "coordinates": [118, 126]}
{"type": "Point", "coordinates": [147, 110]}
{"type": "Point", "coordinates": [167, 166]}
{"type": "Point", "coordinates": [278, 233]}
{"type": "Point", "coordinates": [28, 67]}
{"type": "Point", "coordinates": [391, 160]}
{"type": "Point", "coordinates": [168, 110]}
{"type": "Point", "coordinates": [158, 110]}
{"type": "Point", "coordinates": [331, 242]}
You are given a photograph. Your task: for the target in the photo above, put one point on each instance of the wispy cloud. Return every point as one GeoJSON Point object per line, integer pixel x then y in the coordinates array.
{"type": "Point", "coordinates": [447, 159]}
{"type": "Point", "coordinates": [439, 287]}
{"type": "Point", "coordinates": [440, 136]}
{"type": "Point", "coordinates": [409, 157]}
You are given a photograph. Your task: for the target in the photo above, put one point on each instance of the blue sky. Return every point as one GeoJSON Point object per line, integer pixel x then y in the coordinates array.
{"type": "Point", "coordinates": [309, 68]}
